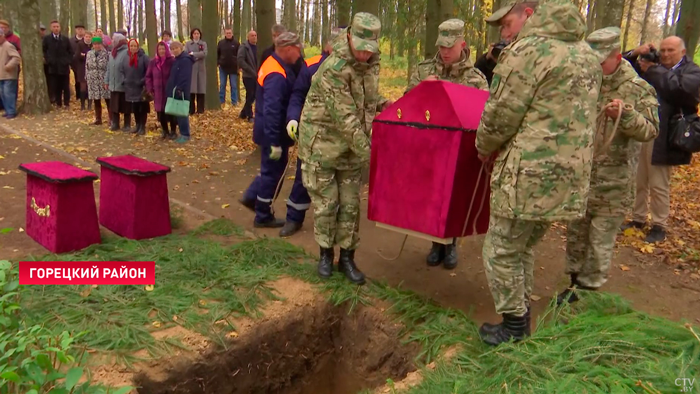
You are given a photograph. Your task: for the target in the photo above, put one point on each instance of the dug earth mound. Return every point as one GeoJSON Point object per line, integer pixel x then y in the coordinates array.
{"type": "Point", "coordinates": [301, 345]}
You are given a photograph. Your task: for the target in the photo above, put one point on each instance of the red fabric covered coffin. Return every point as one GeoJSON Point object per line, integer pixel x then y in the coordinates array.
{"type": "Point", "coordinates": [61, 211]}
{"type": "Point", "coordinates": [134, 197]}
{"type": "Point", "coordinates": [424, 172]}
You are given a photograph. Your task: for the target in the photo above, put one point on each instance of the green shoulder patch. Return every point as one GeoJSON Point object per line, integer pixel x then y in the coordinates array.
{"type": "Point", "coordinates": [339, 64]}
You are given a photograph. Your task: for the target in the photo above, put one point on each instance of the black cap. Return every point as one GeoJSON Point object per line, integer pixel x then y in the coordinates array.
{"type": "Point", "coordinates": [79, 25]}
{"type": "Point", "coordinates": [42, 27]}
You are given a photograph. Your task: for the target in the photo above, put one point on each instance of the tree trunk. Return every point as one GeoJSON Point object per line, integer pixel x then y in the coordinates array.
{"type": "Point", "coordinates": [590, 15]}
{"type": "Point", "coordinates": [195, 13]}
{"type": "Point", "coordinates": [97, 19]}
{"type": "Point", "coordinates": [612, 15]}
{"type": "Point", "coordinates": [48, 12]}
{"type": "Point", "coordinates": [36, 98]}
{"type": "Point", "coordinates": [120, 14]}
{"type": "Point", "coordinates": [103, 16]}
{"type": "Point", "coordinates": [628, 22]}
{"type": "Point", "coordinates": [316, 36]}
{"type": "Point", "coordinates": [289, 19]}
{"type": "Point", "coordinates": [64, 18]}
{"type": "Point", "coordinates": [151, 27]}
{"type": "Point", "coordinates": [688, 27]}
{"type": "Point", "coordinates": [161, 20]}
{"type": "Point", "coordinates": [112, 17]}
{"type": "Point", "coordinates": [325, 22]}
{"type": "Point", "coordinates": [676, 11]}
{"type": "Point", "coordinates": [210, 11]}
{"type": "Point", "coordinates": [643, 37]}
{"type": "Point", "coordinates": [237, 25]}
{"type": "Point", "coordinates": [432, 21]}
{"type": "Point", "coordinates": [343, 12]}
{"type": "Point", "coordinates": [178, 14]}
{"type": "Point", "coordinates": [168, 17]}
{"type": "Point", "coordinates": [371, 6]}
{"type": "Point", "coordinates": [307, 21]}
{"type": "Point", "coordinates": [666, 26]}
{"type": "Point", "coordinates": [265, 15]}
{"type": "Point", "coordinates": [245, 19]}
{"type": "Point", "coordinates": [79, 12]}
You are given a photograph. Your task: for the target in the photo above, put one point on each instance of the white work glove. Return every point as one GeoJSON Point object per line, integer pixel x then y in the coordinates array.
{"type": "Point", "coordinates": [276, 153]}
{"type": "Point", "coordinates": [292, 128]}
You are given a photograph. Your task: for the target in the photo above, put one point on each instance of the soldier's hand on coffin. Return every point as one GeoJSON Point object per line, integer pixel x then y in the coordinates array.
{"type": "Point", "coordinates": [292, 127]}
{"type": "Point", "coordinates": [484, 159]}
{"type": "Point", "coordinates": [432, 78]}
{"type": "Point", "coordinates": [276, 153]}
{"type": "Point", "coordinates": [387, 104]}
{"type": "Point", "coordinates": [614, 109]}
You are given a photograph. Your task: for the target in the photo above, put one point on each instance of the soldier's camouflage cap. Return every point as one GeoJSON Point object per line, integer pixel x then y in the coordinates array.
{"type": "Point", "coordinates": [365, 32]}
{"type": "Point", "coordinates": [604, 41]}
{"type": "Point", "coordinates": [496, 17]}
{"type": "Point", "coordinates": [288, 39]}
{"type": "Point", "coordinates": [449, 31]}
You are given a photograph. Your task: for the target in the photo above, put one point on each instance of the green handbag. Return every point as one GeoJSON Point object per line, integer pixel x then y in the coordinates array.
{"type": "Point", "coordinates": [177, 107]}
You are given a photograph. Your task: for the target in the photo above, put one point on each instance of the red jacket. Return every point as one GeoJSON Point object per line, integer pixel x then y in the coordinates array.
{"type": "Point", "coordinates": [14, 40]}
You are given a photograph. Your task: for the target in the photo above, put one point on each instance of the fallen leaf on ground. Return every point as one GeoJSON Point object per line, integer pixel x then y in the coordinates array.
{"type": "Point", "coordinates": [453, 274]}
{"type": "Point", "coordinates": [156, 324]}
{"type": "Point", "coordinates": [225, 206]}
{"type": "Point", "coordinates": [624, 268]}
{"type": "Point", "coordinates": [535, 297]}
{"type": "Point", "coordinates": [149, 287]}
{"type": "Point", "coordinates": [232, 334]}
{"type": "Point", "coordinates": [86, 292]}
{"type": "Point", "coordinates": [21, 230]}
{"type": "Point", "coordinates": [8, 187]}
{"type": "Point", "coordinates": [647, 249]}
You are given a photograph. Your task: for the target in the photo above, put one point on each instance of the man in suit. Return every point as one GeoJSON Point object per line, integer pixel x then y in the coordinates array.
{"type": "Point", "coordinates": [58, 55]}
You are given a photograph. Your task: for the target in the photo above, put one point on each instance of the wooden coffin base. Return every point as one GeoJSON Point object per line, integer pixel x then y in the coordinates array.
{"type": "Point", "coordinates": [444, 241]}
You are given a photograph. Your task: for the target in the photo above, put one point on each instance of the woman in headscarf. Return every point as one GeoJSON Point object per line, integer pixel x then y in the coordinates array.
{"type": "Point", "coordinates": [115, 80]}
{"type": "Point", "coordinates": [134, 70]}
{"type": "Point", "coordinates": [197, 49]}
{"type": "Point", "coordinates": [180, 82]}
{"type": "Point", "coordinates": [156, 79]}
{"type": "Point", "coordinates": [95, 69]}
{"type": "Point", "coordinates": [79, 59]}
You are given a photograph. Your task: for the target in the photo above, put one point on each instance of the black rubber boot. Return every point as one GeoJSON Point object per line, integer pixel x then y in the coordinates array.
{"type": "Point", "coordinates": [451, 257]}
{"type": "Point", "coordinates": [569, 295]}
{"type": "Point", "coordinates": [325, 263]}
{"type": "Point", "coordinates": [141, 128]}
{"type": "Point", "coordinates": [436, 255]}
{"type": "Point", "coordinates": [114, 122]}
{"type": "Point", "coordinates": [272, 223]}
{"type": "Point", "coordinates": [289, 229]}
{"type": "Point", "coordinates": [347, 266]}
{"type": "Point", "coordinates": [164, 132]}
{"type": "Point", "coordinates": [127, 123]}
{"type": "Point", "coordinates": [511, 328]}
{"type": "Point", "coordinates": [82, 104]}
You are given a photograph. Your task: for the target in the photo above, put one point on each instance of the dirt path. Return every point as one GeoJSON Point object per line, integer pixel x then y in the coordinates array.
{"type": "Point", "coordinates": [212, 178]}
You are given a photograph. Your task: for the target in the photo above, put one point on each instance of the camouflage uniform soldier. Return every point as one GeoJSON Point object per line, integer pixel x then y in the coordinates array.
{"type": "Point", "coordinates": [590, 241]}
{"type": "Point", "coordinates": [334, 140]}
{"type": "Point", "coordinates": [540, 118]}
{"type": "Point", "coordinates": [451, 64]}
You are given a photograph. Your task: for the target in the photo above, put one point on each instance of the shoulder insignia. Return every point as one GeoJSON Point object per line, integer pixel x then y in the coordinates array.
{"type": "Point", "coordinates": [339, 64]}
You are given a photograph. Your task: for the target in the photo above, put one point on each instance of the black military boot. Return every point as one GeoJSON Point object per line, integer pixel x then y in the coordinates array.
{"type": "Point", "coordinates": [272, 223]}
{"type": "Point", "coordinates": [451, 257]}
{"type": "Point", "coordinates": [512, 327]}
{"type": "Point", "coordinates": [491, 328]}
{"type": "Point", "coordinates": [569, 295]}
{"type": "Point", "coordinates": [325, 263]}
{"type": "Point", "coordinates": [346, 265]}
{"type": "Point", "coordinates": [436, 255]}
{"type": "Point", "coordinates": [290, 228]}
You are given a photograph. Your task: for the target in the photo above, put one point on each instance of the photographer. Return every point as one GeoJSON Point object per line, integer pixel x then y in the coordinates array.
{"type": "Point", "coordinates": [510, 19]}
{"type": "Point", "coordinates": [677, 82]}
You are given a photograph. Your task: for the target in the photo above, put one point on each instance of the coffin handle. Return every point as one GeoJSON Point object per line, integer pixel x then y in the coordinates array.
{"type": "Point", "coordinates": [43, 212]}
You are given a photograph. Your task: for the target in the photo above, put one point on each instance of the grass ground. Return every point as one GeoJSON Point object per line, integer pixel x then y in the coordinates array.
{"type": "Point", "coordinates": [212, 276]}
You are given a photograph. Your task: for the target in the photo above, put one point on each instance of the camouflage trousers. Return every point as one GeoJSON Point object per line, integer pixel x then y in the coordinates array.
{"type": "Point", "coordinates": [509, 261]}
{"type": "Point", "coordinates": [335, 195]}
{"type": "Point", "coordinates": [589, 247]}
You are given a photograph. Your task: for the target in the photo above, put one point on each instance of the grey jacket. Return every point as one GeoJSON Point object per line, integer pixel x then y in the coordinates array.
{"type": "Point", "coordinates": [113, 77]}
{"type": "Point", "coordinates": [134, 77]}
{"type": "Point", "coordinates": [247, 61]}
{"type": "Point", "coordinates": [199, 71]}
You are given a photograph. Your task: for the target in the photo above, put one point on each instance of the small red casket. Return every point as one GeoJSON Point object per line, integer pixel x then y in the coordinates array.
{"type": "Point", "coordinates": [134, 197]}
{"type": "Point", "coordinates": [61, 211]}
{"type": "Point", "coordinates": [425, 174]}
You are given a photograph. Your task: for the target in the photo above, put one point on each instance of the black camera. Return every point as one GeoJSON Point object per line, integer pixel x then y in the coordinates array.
{"type": "Point", "coordinates": [497, 48]}
{"type": "Point", "coordinates": [653, 56]}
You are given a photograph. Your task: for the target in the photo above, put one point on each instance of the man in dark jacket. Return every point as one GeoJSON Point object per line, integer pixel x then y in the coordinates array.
{"type": "Point", "coordinates": [510, 19]}
{"type": "Point", "coordinates": [299, 200]}
{"type": "Point", "coordinates": [78, 62]}
{"type": "Point", "coordinates": [227, 53]}
{"type": "Point", "coordinates": [248, 62]}
{"type": "Point", "coordinates": [275, 82]}
{"type": "Point", "coordinates": [677, 84]}
{"type": "Point", "coordinates": [58, 55]}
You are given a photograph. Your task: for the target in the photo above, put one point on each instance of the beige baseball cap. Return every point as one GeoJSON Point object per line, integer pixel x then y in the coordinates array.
{"type": "Point", "coordinates": [496, 17]}
{"type": "Point", "coordinates": [449, 32]}
{"type": "Point", "coordinates": [365, 32]}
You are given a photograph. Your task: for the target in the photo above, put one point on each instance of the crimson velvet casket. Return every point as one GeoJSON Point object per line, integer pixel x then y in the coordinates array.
{"type": "Point", "coordinates": [134, 197]}
{"type": "Point", "coordinates": [61, 210]}
{"type": "Point", "coordinates": [425, 175]}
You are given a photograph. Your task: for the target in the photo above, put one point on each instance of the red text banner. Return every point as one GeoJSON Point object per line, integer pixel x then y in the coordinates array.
{"type": "Point", "coordinates": [87, 272]}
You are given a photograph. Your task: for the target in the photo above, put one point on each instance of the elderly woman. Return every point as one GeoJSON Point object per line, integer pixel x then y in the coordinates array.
{"type": "Point", "coordinates": [180, 81]}
{"type": "Point", "coordinates": [95, 69]}
{"type": "Point", "coordinates": [156, 79]}
{"type": "Point", "coordinates": [115, 80]}
{"type": "Point", "coordinates": [133, 69]}
{"type": "Point", "coordinates": [197, 49]}
{"type": "Point", "coordinates": [79, 58]}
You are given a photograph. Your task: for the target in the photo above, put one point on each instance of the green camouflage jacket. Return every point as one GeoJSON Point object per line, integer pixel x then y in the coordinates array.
{"type": "Point", "coordinates": [614, 171]}
{"type": "Point", "coordinates": [462, 72]}
{"type": "Point", "coordinates": [541, 117]}
{"type": "Point", "coordinates": [336, 124]}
